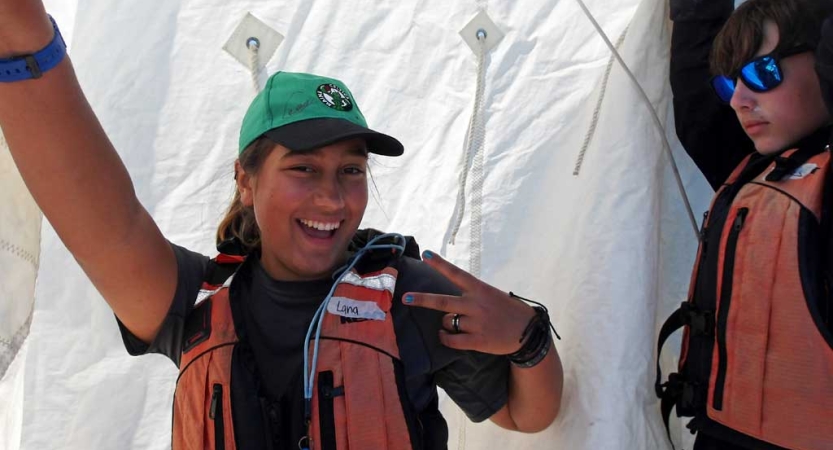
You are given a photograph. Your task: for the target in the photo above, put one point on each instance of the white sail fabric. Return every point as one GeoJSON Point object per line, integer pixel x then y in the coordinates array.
{"type": "Point", "coordinates": [20, 236]}
{"type": "Point", "coordinates": [20, 222]}
{"type": "Point", "coordinates": [608, 250]}
{"type": "Point", "coordinates": [19, 249]}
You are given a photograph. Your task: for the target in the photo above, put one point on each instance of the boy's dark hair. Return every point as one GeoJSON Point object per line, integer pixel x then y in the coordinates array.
{"type": "Point", "coordinates": [799, 23]}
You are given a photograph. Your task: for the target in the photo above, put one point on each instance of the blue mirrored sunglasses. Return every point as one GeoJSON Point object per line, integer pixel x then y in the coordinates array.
{"type": "Point", "coordinates": [761, 74]}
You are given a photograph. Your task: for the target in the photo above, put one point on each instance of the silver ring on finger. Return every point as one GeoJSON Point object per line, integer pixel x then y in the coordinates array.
{"type": "Point", "coordinates": [455, 324]}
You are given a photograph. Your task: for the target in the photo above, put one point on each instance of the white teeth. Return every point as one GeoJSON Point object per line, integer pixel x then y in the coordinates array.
{"type": "Point", "coordinates": [320, 225]}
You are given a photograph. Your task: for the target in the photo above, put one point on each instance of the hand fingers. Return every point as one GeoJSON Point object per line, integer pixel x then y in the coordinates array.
{"type": "Point", "coordinates": [462, 341]}
{"type": "Point", "coordinates": [464, 324]}
{"type": "Point", "coordinates": [456, 275]}
{"type": "Point", "coordinates": [447, 303]}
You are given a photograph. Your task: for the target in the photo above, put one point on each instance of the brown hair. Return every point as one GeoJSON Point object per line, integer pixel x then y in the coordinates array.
{"type": "Point", "coordinates": [798, 21]}
{"type": "Point", "coordinates": [239, 222]}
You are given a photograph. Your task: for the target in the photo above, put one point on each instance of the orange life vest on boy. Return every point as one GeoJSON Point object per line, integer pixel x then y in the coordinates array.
{"type": "Point", "coordinates": [756, 365]}
{"type": "Point", "coordinates": [357, 363]}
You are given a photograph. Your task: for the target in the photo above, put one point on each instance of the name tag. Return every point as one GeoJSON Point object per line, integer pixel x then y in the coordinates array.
{"type": "Point", "coordinates": [354, 309]}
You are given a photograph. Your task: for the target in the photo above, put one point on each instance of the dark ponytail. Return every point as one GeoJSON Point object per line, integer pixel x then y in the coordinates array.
{"type": "Point", "coordinates": [239, 223]}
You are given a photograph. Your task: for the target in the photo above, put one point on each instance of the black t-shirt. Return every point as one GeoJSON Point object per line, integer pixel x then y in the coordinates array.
{"type": "Point", "coordinates": [275, 316]}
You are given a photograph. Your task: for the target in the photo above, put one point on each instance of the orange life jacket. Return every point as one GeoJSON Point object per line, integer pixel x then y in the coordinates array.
{"type": "Point", "coordinates": [756, 364]}
{"type": "Point", "coordinates": [358, 370]}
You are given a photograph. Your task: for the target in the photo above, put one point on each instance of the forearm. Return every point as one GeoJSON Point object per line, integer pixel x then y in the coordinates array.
{"type": "Point", "coordinates": [487, 320]}
{"type": "Point", "coordinates": [534, 395]}
{"type": "Point", "coordinates": [708, 129]}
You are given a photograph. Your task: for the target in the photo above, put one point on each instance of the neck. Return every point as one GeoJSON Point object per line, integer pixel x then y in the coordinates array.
{"type": "Point", "coordinates": [817, 139]}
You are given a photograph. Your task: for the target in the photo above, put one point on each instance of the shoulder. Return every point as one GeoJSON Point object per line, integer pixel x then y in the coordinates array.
{"type": "Point", "coordinates": [189, 262]}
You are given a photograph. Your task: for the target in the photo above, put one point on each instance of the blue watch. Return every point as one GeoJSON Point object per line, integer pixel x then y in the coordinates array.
{"type": "Point", "coordinates": [27, 67]}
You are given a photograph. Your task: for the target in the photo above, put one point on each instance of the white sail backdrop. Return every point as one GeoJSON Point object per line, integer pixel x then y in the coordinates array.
{"type": "Point", "coordinates": [606, 244]}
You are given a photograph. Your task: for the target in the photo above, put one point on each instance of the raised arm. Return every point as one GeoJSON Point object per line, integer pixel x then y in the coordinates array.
{"type": "Point", "coordinates": [78, 180]}
{"type": "Point", "coordinates": [708, 129]}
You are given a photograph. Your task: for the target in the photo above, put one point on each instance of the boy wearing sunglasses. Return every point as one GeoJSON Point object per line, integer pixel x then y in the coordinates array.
{"type": "Point", "coordinates": [756, 367]}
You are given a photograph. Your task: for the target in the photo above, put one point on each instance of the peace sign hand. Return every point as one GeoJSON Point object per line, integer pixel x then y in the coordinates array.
{"type": "Point", "coordinates": [483, 318]}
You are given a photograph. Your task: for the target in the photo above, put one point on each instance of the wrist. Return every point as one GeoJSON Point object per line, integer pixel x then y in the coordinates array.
{"type": "Point", "coordinates": [534, 356]}
{"type": "Point", "coordinates": [529, 318]}
{"type": "Point", "coordinates": [535, 341]}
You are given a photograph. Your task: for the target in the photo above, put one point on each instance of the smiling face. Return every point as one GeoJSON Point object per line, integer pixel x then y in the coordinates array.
{"type": "Point", "coordinates": [781, 117]}
{"type": "Point", "coordinates": [307, 205]}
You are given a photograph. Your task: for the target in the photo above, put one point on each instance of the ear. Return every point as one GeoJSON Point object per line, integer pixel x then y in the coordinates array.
{"type": "Point", "coordinates": [245, 184]}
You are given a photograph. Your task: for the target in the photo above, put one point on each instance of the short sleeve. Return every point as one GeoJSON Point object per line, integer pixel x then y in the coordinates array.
{"type": "Point", "coordinates": [191, 268]}
{"type": "Point", "coordinates": [476, 382]}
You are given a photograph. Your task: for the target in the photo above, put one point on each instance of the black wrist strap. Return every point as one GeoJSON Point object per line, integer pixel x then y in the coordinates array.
{"type": "Point", "coordinates": [535, 339]}
{"type": "Point", "coordinates": [542, 307]}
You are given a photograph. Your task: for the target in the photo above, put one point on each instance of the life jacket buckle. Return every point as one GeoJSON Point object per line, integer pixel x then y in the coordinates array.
{"type": "Point", "coordinates": [679, 389]}
{"type": "Point", "coordinates": [699, 322]}
{"type": "Point", "coordinates": [695, 424]}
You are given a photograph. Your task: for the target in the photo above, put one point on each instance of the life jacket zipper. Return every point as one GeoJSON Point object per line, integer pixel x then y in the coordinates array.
{"type": "Point", "coordinates": [725, 303]}
{"type": "Point", "coordinates": [215, 413]}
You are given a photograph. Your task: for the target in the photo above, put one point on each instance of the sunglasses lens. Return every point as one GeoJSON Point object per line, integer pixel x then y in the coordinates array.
{"type": "Point", "coordinates": [762, 74]}
{"type": "Point", "coordinates": [724, 87]}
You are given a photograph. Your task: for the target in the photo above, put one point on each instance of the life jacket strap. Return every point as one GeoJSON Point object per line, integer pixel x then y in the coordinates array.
{"type": "Point", "coordinates": [678, 390]}
{"type": "Point", "coordinates": [699, 322]}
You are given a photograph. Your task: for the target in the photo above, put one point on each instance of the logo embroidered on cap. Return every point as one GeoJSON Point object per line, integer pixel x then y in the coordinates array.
{"type": "Point", "coordinates": [332, 96]}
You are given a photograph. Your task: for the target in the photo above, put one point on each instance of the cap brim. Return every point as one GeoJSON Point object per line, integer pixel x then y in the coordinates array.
{"type": "Point", "coordinates": [315, 133]}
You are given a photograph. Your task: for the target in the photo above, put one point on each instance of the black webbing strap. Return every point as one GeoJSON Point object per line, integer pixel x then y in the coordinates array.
{"type": "Point", "coordinates": [678, 390]}
{"type": "Point", "coordinates": [827, 245]}
{"type": "Point", "coordinates": [672, 324]}
{"type": "Point", "coordinates": [218, 273]}
{"type": "Point", "coordinates": [786, 165]}
{"type": "Point", "coordinates": [670, 391]}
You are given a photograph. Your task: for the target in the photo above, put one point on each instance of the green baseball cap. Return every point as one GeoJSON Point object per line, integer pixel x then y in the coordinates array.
{"type": "Point", "coordinates": [302, 112]}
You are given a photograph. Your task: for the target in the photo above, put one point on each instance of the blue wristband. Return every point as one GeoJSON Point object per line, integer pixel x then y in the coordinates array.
{"type": "Point", "coordinates": [28, 67]}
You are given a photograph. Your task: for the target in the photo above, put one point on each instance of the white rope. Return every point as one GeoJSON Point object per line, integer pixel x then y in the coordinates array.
{"type": "Point", "coordinates": [477, 205]}
{"type": "Point", "coordinates": [475, 138]}
{"type": "Point", "coordinates": [594, 122]}
{"type": "Point", "coordinates": [478, 139]}
{"type": "Point", "coordinates": [462, 419]}
{"type": "Point", "coordinates": [254, 61]}
{"type": "Point", "coordinates": [473, 145]}
{"type": "Point", "coordinates": [657, 122]}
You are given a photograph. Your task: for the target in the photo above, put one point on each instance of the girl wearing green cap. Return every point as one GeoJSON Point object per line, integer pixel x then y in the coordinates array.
{"type": "Point", "coordinates": [306, 332]}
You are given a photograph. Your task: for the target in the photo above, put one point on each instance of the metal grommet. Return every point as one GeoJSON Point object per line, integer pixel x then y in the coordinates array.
{"type": "Point", "coordinates": [253, 42]}
{"type": "Point", "coordinates": [481, 34]}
